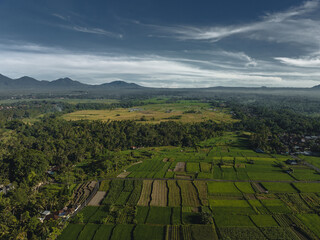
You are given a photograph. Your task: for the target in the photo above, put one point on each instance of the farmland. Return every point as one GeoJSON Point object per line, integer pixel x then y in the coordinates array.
{"type": "Point", "coordinates": [182, 111]}
{"type": "Point", "coordinates": [220, 190]}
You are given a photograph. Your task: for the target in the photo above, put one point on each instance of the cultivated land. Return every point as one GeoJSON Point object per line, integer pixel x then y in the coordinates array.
{"type": "Point", "coordinates": [224, 190]}
{"type": "Point", "coordinates": [220, 189]}
{"type": "Point", "coordinates": [182, 111]}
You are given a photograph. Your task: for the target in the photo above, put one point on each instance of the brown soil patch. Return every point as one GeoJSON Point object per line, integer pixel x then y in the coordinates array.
{"type": "Point", "coordinates": [159, 194]}
{"type": "Point", "coordinates": [97, 199]}
{"type": "Point", "coordinates": [123, 174]}
{"type": "Point", "coordinates": [180, 167]}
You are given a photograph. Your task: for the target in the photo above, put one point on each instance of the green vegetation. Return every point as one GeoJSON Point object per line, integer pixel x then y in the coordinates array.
{"type": "Point", "coordinates": [170, 171]}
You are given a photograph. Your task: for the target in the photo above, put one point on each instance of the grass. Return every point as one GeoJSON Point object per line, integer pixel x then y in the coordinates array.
{"type": "Point", "coordinates": [142, 213]}
{"type": "Point", "coordinates": [312, 221]}
{"type": "Point", "coordinates": [193, 167]}
{"type": "Point", "coordinates": [104, 232]}
{"type": "Point", "coordinates": [264, 220]}
{"type": "Point", "coordinates": [275, 206]}
{"type": "Point", "coordinates": [176, 215]}
{"type": "Point", "coordinates": [244, 187]}
{"type": "Point", "coordinates": [222, 187]}
{"type": "Point", "coordinates": [122, 231]}
{"type": "Point", "coordinates": [71, 232]}
{"type": "Point", "coordinates": [104, 186]}
{"type": "Point", "coordinates": [233, 221]}
{"type": "Point", "coordinates": [159, 215]}
{"type": "Point", "coordinates": [189, 194]}
{"type": "Point", "coordinates": [174, 194]}
{"type": "Point", "coordinates": [88, 231]}
{"type": "Point", "coordinates": [203, 232]}
{"type": "Point", "coordinates": [147, 232]}
{"type": "Point", "coordinates": [308, 187]}
{"type": "Point", "coordinates": [279, 187]}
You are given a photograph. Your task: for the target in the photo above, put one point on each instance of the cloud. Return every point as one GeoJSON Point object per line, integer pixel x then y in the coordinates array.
{"type": "Point", "coordinates": [294, 25]}
{"type": "Point", "coordinates": [94, 31]}
{"type": "Point", "coordinates": [96, 69]}
{"type": "Point", "coordinates": [84, 29]}
{"type": "Point", "coordinates": [301, 62]}
{"type": "Point", "coordinates": [60, 16]}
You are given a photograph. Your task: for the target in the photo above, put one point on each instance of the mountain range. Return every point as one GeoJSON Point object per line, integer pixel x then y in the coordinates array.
{"type": "Point", "coordinates": [66, 84]}
{"type": "Point", "coordinates": [28, 83]}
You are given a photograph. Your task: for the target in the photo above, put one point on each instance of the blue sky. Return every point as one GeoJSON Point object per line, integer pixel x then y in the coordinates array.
{"type": "Point", "coordinates": [165, 43]}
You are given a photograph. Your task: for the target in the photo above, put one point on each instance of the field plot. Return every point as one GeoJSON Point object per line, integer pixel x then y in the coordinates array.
{"type": "Point", "coordinates": [275, 233]}
{"type": "Point", "coordinates": [275, 206]}
{"type": "Point", "coordinates": [244, 187]}
{"type": "Point", "coordinates": [295, 202]}
{"type": "Point", "coordinates": [88, 231]}
{"type": "Point", "coordinates": [173, 232]}
{"type": "Point", "coordinates": [116, 187]}
{"type": "Point", "coordinates": [233, 221]}
{"type": "Point", "coordinates": [240, 207]}
{"type": "Point", "coordinates": [264, 221]}
{"type": "Point", "coordinates": [241, 233]}
{"type": "Point", "coordinates": [174, 194]}
{"type": "Point", "coordinates": [104, 232]}
{"type": "Point", "coordinates": [205, 167]}
{"type": "Point", "coordinates": [122, 231]}
{"type": "Point", "coordinates": [146, 193]}
{"type": "Point", "coordinates": [312, 221]}
{"type": "Point", "coordinates": [176, 215]}
{"type": "Point", "coordinates": [193, 167]}
{"type": "Point", "coordinates": [308, 187]}
{"type": "Point", "coordinates": [203, 232]}
{"type": "Point", "coordinates": [202, 192]}
{"type": "Point", "coordinates": [148, 232]}
{"type": "Point", "coordinates": [159, 193]}
{"type": "Point", "coordinates": [189, 194]}
{"type": "Point", "coordinates": [159, 215]}
{"type": "Point", "coordinates": [104, 186]}
{"type": "Point", "coordinates": [135, 194]}
{"type": "Point", "coordinates": [97, 199]}
{"type": "Point", "coordinates": [180, 167]}
{"type": "Point", "coordinates": [98, 216]}
{"type": "Point", "coordinates": [222, 188]}
{"type": "Point", "coordinates": [279, 187]}
{"type": "Point", "coordinates": [71, 232]}
{"type": "Point", "coordinates": [142, 214]}
{"type": "Point", "coordinates": [258, 207]}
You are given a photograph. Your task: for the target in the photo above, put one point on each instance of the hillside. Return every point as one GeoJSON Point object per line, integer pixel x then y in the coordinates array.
{"type": "Point", "coordinates": [28, 83]}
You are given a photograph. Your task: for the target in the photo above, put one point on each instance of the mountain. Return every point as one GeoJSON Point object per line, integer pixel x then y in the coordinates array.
{"type": "Point", "coordinates": [28, 83]}
{"type": "Point", "coordinates": [316, 87]}
{"type": "Point", "coordinates": [121, 84]}
{"type": "Point", "coordinates": [66, 83]}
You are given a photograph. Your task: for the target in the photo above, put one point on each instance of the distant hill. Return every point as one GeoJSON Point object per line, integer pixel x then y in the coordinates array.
{"type": "Point", "coordinates": [120, 84]}
{"type": "Point", "coordinates": [28, 83]}
{"type": "Point", "coordinates": [316, 87]}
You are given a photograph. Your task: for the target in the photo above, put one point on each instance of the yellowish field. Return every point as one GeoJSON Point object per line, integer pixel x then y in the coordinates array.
{"type": "Point", "coordinates": [155, 113]}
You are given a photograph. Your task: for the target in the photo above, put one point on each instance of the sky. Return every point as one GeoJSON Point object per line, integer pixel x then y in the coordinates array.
{"type": "Point", "coordinates": [163, 43]}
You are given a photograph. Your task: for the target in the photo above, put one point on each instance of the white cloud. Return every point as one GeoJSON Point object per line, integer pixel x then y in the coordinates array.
{"type": "Point", "coordinates": [97, 68]}
{"type": "Point", "coordinates": [294, 25]}
{"type": "Point", "coordinates": [301, 62]}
